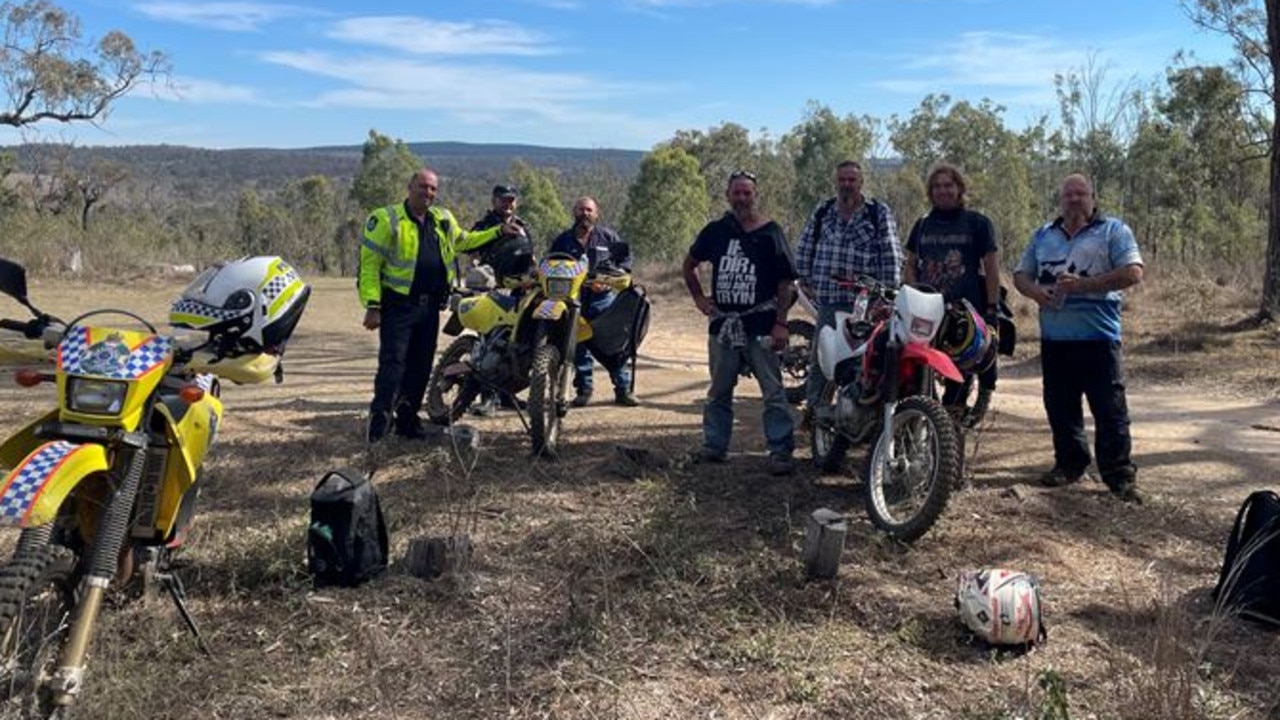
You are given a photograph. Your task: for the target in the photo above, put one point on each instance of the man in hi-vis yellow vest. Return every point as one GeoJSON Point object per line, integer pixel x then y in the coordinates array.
{"type": "Point", "coordinates": [406, 270]}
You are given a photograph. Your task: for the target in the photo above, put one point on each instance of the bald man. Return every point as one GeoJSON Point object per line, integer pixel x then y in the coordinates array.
{"type": "Point", "coordinates": [1075, 269]}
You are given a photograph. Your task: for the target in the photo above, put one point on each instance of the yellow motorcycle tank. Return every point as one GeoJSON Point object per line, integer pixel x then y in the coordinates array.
{"type": "Point", "coordinates": [488, 311]}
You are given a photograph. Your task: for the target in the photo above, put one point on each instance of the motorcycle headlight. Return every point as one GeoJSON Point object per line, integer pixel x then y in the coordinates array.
{"type": "Point", "coordinates": [922, 328]}
{"type": "Point", "coordinates": [559, 288]}
{"type": "Point", "coordinates": [96, 397]}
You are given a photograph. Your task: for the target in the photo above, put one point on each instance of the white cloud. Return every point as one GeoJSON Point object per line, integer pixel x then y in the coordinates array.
{"type": "Point", "coordinates": [475, 96]}
{"type": "Point", "coordinates": [388, 82]}
{"type": "Point", "coordinates": [198, 91]}
{"type": "Point", "coordinates": [229, 16]}
{"type": "Point", "coordinates": [1001, 60]}
{"type": "Point", "coordinates": [422, 36]}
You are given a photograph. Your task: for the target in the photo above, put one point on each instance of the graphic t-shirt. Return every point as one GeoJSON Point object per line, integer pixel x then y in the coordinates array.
{"type": "Point", "coordinates": [1103, 245]}
{"type": "Point", "coordinates": [949, 247]}
{"type": "Point", "coordinates": [746, 268]}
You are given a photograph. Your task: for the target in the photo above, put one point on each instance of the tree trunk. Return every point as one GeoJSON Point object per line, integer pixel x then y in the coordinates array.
{"type": "Point", "coordinates": [1270, 309]}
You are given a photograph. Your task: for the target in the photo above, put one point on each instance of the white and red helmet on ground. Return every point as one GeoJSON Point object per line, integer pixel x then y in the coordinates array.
{"type": "Point", "coordinates": [1001, 606]}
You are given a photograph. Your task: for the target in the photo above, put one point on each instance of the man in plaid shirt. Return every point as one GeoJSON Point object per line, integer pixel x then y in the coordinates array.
{"type": "Point", "coordinates": [847, 236]}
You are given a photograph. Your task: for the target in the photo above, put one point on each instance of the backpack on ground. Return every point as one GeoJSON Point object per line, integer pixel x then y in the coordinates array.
{"type": "Point", "coordinates": [347, 537]}
{"type": "Point", "coordinates": [1249, 582]}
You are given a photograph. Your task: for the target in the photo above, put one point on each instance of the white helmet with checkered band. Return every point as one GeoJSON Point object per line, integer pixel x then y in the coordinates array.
{"type": "Point", "coordinates": [248, 305]}
{"type": "Point", "coordinates": [1001, 606]}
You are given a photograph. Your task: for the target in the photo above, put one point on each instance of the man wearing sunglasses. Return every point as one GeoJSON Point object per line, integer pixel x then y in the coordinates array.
{"type": "Point", "coordinates": [751, 277]}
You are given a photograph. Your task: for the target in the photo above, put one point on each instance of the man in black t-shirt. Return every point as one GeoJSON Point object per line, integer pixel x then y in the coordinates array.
{"type": "Point", "coordinates": [751, 285]}
{"type": "Point", "coordinates": [954, 249]}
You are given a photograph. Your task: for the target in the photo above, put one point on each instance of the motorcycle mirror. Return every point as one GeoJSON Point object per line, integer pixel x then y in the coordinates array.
{"type": "Point", "coordinates": [13, 280]}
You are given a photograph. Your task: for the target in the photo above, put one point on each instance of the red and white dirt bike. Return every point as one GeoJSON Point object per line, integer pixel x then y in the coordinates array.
{"type": "Point", "coordinates": [880, 363]}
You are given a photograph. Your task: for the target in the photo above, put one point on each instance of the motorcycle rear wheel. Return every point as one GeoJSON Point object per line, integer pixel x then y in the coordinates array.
{"type": "Point", "coordinates": [906, 499]}
{"type": "Point", "coordinates": [796, 359]}
{"type": "Point", "coordinates": [37, 596]}
{"type": "Point", "coordinates": [448, 398]}
{"type": "Point", "coordinates": [544, 418]}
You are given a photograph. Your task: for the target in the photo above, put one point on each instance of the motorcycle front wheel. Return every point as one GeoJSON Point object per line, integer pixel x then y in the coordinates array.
{"type": "Point", "coordinates": [37, 595]}
{"type": "Point", "coordinates": [544, 418]}
{"type": "Point", "coordinates": [448, 398]}
{"type": "Point", "coordinates": [829, 446]}
{"type": "Point", "coordinates": [796, 358]}
{"type": "Point", "coordinates": [905, 497]}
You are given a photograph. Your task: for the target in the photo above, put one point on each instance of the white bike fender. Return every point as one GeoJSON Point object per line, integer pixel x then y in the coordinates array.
{"type": "Point", "coordinates": [832, 347]}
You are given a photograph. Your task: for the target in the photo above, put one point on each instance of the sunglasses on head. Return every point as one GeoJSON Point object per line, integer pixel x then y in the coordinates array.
{"type": "Point", "coordinates": [740, 174]}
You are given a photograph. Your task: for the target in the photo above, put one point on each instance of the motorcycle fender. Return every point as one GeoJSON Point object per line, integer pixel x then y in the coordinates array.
{"type": "Point", "coordinates": [914, 353]}
{"type": "Point", "coordinates": [833, 349]}
{"type": "Point", "coordinates": [35, 489]}
{"type": "Point", "coordinates": [550, 310]}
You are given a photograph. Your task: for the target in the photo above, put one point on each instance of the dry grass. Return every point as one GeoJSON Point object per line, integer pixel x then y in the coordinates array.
{"type": "Point", "coordinates": [599, 592]}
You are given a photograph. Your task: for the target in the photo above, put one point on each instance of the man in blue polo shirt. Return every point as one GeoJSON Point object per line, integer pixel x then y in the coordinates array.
{"type": "Point", "coordinates": [1075, 269]}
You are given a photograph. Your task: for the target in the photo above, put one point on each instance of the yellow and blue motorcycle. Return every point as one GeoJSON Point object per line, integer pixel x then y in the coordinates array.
{"type": "Point", "coordinates": [527, 338]}
{"type": "Point", "coordinates": [104, 485]}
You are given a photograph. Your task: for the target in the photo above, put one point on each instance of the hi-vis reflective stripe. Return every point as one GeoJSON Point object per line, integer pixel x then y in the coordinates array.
{"type": "Point", "coordinates": [388, 256]}
{"type": "Point", "coordinates": [395, 282]}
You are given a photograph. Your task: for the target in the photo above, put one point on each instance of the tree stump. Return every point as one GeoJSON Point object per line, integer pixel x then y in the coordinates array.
{"type": "Point", "coordinates": [823, 543]}
{"type": "Point", "coordinates": [432, 557]}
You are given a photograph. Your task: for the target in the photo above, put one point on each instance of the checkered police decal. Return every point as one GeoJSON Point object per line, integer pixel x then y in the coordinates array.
{"type": "Point", "coordinates": [187, 306]}
{"type": "Point", "coordinates": [77, 357]}
{"type": "Point", "coordinates": [26, 481]}
{"type": "Point", "coordinates": [280, 282]}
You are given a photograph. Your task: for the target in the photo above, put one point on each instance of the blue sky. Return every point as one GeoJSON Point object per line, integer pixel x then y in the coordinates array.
{"type": "Point", "coordinates": [599, 73]}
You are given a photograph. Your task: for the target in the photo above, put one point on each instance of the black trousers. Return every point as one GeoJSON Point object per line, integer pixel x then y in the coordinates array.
{"type": "Point", "coordinates": [406, 349]}
{"type": "Point", "coordinates": [1092, 369]}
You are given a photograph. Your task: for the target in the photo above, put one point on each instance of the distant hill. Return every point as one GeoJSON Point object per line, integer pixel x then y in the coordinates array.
{"type": "Point", "coordinates": [201, 173]}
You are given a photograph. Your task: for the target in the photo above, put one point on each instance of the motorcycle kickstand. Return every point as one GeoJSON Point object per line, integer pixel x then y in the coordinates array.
{"type": "Point", "coordinates": [171, 583]}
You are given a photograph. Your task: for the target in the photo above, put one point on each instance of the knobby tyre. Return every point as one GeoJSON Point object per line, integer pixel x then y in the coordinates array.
{"type": "Point", "coordinates": [544, 420]}
{"type": "Point", "coordinates": [448, 398]}
{"type": "Point", "coordinates": [906, 499]}
{"type": "Point", "coordinates": [37, 594]}
{"type": "Point", "coordinates": [829, 446]}
{"type": "Point", "coordinates": [796, 358]}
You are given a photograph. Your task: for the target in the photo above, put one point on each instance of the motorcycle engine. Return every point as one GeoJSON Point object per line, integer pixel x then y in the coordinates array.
{"type": "Point", "coordinates": [851, 416]}
{"type": "Point", "coordinates": [492, 354]}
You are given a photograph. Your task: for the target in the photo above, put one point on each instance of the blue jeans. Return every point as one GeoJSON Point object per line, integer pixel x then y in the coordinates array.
{"type": "Point", "coordinates": [593, 306]}
{"type": "Point", "coordinates": [717, 416]}
{"type": "Point", "coordinates": [816, 381]}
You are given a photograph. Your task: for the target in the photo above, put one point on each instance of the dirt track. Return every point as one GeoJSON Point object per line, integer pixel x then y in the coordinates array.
{"type": "Point", "coordinates": [677, 594]}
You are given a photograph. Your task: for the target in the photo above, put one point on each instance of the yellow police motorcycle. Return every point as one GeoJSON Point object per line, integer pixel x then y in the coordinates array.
{"type": "Point", "coordinates": [508, 342]}
{"type": "Point", "coordinates": [104, 485]}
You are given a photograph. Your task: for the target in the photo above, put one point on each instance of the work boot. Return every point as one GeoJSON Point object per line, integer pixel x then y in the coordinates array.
{"type": "Point", "coordinates": [410, 427]}
{"type": "Point", "coordinates": [781, 464]}
{"type": "Point", "coordinates": [582, 398]}
{"type": "Point", "coordinates": [625, 398]}
{"type": "Point", "coordinates": [484, 408]}
{"type": "Point", "coordinates": [379, 424]}
{"type": "Point", "coordinates": [708, 456]}
{"type": "Point", "coordinates": [1057, 477]}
